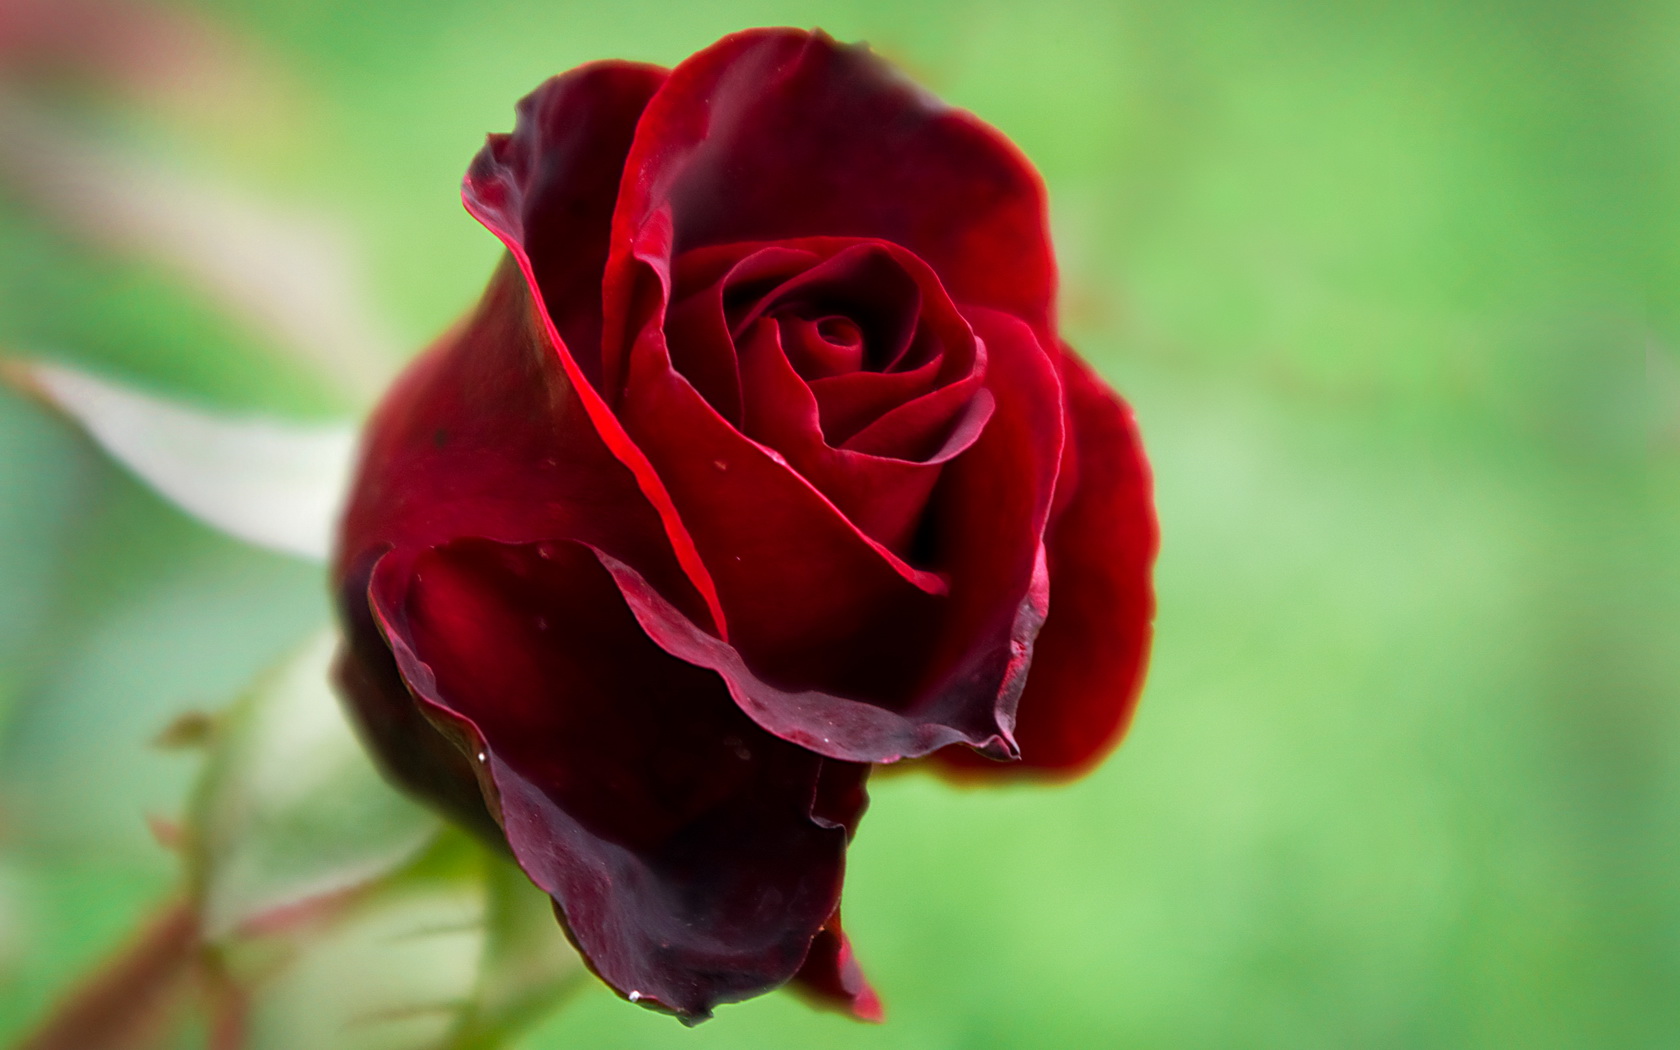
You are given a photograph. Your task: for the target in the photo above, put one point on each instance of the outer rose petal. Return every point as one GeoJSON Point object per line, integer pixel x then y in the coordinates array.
{"type": "Point", "coordinates": [484, 437]}
{"type": "Point", "coordinates": [551, 186]}
{"type": "Point", "coordinates": [492, 434]}
{"type": "Point", "coordinates": [537, 190]}
{"type": "Point", "coordinates": [1090, 657]}
{"type": "Point", "coordinates": [410, 750]}
{"type": "Point", "coordinates": [693, 857]}
{"type": "Point", "coordinates": [773, 134]}
{"type": "Point", "coordinates": [988, 516]}
{"type": "Point", "coordinates": [831, 976]}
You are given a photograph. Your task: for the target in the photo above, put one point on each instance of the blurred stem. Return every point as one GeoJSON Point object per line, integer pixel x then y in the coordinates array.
{"type": "Point", "coordinates": [228, 1006]}
{"type": "Point", "coordinates": [127, 1002]}
{"type": "Point", "coordinates": [529, 970]}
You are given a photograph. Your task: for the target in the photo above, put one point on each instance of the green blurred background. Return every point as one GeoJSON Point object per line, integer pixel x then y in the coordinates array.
{"type": "Point", "coordinates": [1395, 291]}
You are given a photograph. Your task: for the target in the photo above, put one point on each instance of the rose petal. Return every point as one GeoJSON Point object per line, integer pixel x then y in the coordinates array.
{"type": "Point", "coordinates": [921, 352]}
{"type": "Point", "coordinates": [884, 496]}
{"type": "Point", "coordinates": [833, 345]}
{"type": "Point", "coordinates": [678, 840]}
{"type": "Point", "coordinates": [1090, 656]}
{"type": "Point", "coordinates": [870, 284]}
{"type": "Point", "coordinates": [828, 723]}
{"type": "Point", "coordinates": [551, 185]}
{"type": "Point", "coordinates": [849, 404]}
{"type": "Point", "coordinates": [778, 133]}
{"type": "Point", "coordinates": [931, 429]}
{"type": "Point", "coordinates": [912, 340]}
{"type": "Point", "coordinates": [485, 437]}
{"type": "Point", "coordinates": [781, 554]}
{"type": "Point", "coordinates": [986, 521]}
{"type": "Point", "coordinates": [831, 976]}
{"type": "Point", "coordinates": [410, 750]}
{"type": "Point", "coordinates": [572, 132]}
{"type": "Point", "coordinates": [697, 328]}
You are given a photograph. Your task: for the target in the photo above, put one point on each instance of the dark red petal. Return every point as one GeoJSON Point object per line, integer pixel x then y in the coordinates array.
{"type": "Point", "coordinates": [831, 724]}
{"type": "Point", "coordinates": [778, 133]}
{"type": "Point", "coordinates": [698, 332]}
{"type": "Point", "coordinates": [850, 403]}
{"type": "Point", "coordinates": [551, 185]}
{"type": "Point", "coordinates": [931, 429]}
{"type": "Point", "coordinates": [987, 520]}
{"type": "Point", "coordinates": [831, 976]}
{"type": "Point", "coordinates": [910, 338]}
{"type": "Point", "coordinates": [870, 671]}
{"type": "Point", "coordinates": [571, 132]}
{"type": "Point", "coordinates": [882, 495]}
{"type": "Point", "coordinates": [411, 751]}
{"type": "Point", "coordinates": [1089, 662]}
{"type": "Point", "coordinates": [833, 345]}
{"type": "Point", "coordinates": [484, 437]}
{"type": "Point", "coordinates": [865, 282]}
{"type": "Point", "coordinates": [682, 845]}
{"type": "Point", "coordinates": [785, 561]}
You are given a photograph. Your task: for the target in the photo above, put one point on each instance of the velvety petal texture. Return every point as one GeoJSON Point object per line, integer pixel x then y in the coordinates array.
{"type": "Point", "coordinates": [680, 842]}
{"type": "Point", "coordinates": [1090, 655]}
{"type": "Point", "coordinates": [760, 462]}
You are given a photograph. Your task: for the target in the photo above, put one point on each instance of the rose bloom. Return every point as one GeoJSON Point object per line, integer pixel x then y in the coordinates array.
{"type": "Point", "coordinates": [760, 463]}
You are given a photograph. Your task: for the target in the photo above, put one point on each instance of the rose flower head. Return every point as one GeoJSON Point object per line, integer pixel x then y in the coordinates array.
{"type": "Point", "coordinates": [759, 463]}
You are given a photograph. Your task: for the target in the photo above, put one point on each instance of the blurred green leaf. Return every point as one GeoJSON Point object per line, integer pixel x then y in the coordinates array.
{"type": "Point", "coordinates": [291, 809]}
{"type": "Point", "coordinates": [347, 915]}
{"type": "Point", "coordinates": [455, 951]}
{"type": "Point", "coordinates": [273, 484]}
{"type": "Point", "coordinates": [390, 971]}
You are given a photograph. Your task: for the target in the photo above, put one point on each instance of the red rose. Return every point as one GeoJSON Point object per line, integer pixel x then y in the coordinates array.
{"type": "Point", "coordinates": [760, 462]}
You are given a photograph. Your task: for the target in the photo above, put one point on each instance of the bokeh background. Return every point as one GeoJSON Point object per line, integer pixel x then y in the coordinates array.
{"type": "Point", "coordinates": [1394, 289]}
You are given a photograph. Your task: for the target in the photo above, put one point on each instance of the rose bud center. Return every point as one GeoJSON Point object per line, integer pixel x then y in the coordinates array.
{"type": "Point", "coordinates": [844, 356]}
